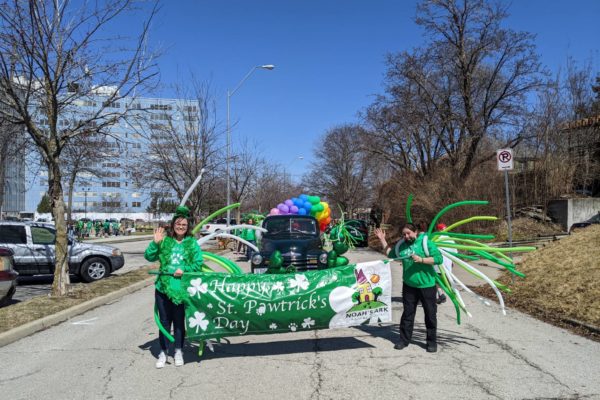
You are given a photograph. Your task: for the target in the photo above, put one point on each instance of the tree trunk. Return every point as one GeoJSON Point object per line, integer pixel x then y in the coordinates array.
{"type": "Point", "coordinates": [70, 197]}
{"type": "Point", "coordinates": [3, 157]}
{"type": "Point", "coordinates": [55, 192]}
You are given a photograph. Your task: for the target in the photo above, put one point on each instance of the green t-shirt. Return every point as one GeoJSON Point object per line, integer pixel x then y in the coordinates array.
{"type": "Point", "coordinates": [177, 254]}
{"type": "Point", "coordinates": [417, 275]}
{"type": "Point", "coordinates": [172, 255]}
{"type": "Point", "coordinates": [250, 234]}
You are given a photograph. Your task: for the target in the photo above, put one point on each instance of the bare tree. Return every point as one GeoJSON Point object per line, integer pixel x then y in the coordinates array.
{"type": "Point", "coordinates": [83, 156]}
{"type": "Point", "coordinates": [271, 187]}
{"type": "Point", "coordinates": [181, 146]}
{"type": "Point", "coordinates": [247, 161]}
{"type": "Point", "coordinates": [54, 60]}
{"type": "Point", "coordinates": [468, 84]}
{"type": "Point", "coordinates": [341, 169]}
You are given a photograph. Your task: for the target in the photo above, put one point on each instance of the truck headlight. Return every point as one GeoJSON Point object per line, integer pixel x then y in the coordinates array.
{"type": "Point", "coordinates": [116, 252]}
{"type": "Point", "coordinates": [256, 259]}
{"type": "Point", "coordinates": [323, 258]}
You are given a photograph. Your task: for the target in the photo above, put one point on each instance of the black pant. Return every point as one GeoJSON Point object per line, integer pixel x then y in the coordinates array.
{"type": "Point", "coordinates": [249, 249]}
{"type": "Point", "coordinates": [170, 313]}
{"type": "Point", "coordinates": [410, 298]}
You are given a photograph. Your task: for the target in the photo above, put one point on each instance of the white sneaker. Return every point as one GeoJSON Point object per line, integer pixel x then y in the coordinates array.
{"type": "Point", "coordinates": [178, 357]}
{"type": "Point", "coordinates": [162, 360]}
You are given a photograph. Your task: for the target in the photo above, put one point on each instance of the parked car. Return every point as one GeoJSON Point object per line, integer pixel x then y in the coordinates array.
{"type": "Point", "coordinates": [298, 239]}
{"type": "Point", "coordinates": [8, 276]}
{"type": "Point", "coordinates": [359, 229]}
{"type": "Point", "coordinates": [33, 245]}
{"type": "Point", "coordinates": [594, 220]}
{"type": "Point", "coordinates": [215, 226]}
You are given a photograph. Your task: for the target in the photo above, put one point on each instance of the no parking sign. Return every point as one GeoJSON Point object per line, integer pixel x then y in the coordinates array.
{"type": "Point", "coordinates": [505, 159]}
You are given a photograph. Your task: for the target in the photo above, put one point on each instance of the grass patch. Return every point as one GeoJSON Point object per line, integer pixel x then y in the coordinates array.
{"type": "Point", "coordinates": [562, 283]}
{"type": "Point", "coordinates": [42, 306]}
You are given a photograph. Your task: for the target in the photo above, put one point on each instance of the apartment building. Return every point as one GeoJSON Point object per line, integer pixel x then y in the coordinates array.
{"type": "Point", "coordinates": [105, 184]}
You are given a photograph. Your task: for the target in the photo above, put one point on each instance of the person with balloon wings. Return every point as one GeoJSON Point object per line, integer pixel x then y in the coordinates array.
{"type": "Point", "coordinates": [418, 255]}
{"type": "Point", "coordinates": [178, 252]}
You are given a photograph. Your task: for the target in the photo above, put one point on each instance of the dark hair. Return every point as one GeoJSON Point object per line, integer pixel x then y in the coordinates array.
{"type": "Point", "coordinates": [410, 226]}
{"type": "Point", "coordinates": [171, 232]}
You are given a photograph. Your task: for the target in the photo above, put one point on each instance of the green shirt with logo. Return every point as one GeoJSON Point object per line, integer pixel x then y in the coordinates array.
{"type": "Point", "coordinates": [417, 275]}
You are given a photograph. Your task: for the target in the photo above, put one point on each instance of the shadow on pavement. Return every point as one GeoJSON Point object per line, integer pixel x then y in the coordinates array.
{"type": "Point", "coordinates": [245, 349]}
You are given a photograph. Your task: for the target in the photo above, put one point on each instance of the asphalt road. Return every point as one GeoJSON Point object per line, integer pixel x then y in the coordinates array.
{"type": "Point", "coordinates": [109, 353]}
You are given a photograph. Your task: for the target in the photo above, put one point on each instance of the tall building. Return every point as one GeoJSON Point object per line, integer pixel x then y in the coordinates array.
{"type": "Point", "coordinates": [106, 184]}
{"type": "Point", "coordinates": [14, 185]}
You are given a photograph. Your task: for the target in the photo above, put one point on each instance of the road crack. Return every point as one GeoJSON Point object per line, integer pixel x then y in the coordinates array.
{"type": "Point", "coordinates": [515, 353]}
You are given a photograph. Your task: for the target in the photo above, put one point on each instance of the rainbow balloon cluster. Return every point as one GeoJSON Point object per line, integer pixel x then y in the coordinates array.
{"type": "Point", "coordinates": [305, 205]}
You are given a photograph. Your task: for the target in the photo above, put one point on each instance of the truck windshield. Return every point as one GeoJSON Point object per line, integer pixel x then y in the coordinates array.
{"type": "Point", "coordinates": [291, 226]}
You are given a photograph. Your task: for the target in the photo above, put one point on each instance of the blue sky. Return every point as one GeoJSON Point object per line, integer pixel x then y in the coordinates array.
{"type": "Point", "coordinates": [329, 57]}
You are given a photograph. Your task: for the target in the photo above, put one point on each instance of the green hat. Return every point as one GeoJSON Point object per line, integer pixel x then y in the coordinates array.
{"type": "Point", "coordinates": [181, 212]}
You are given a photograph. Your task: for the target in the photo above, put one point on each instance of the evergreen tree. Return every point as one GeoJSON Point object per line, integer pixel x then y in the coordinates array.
{"type": "Point", "coordinates": [44, 206]}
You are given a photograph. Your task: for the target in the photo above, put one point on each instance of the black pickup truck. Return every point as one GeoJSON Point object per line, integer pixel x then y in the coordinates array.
{"type": "Point", "coordinates": [296, 237]}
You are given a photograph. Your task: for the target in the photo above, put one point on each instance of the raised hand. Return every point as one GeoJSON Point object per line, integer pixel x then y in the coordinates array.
{"type": "Point", "coordinates": [380, 233]}
{"type": "Point", "coordinates": [159, 234]}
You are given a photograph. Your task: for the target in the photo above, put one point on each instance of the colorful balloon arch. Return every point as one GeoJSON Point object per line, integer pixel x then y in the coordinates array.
{"type": "Point", "coordinates": [305, 205]}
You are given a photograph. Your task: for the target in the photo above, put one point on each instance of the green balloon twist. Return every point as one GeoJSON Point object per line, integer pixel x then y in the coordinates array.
{"type": "Point", "coordinates": [213, 215]}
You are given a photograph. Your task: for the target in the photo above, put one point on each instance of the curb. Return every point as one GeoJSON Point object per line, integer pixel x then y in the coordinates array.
{"type": "Point", "coordinates": [122, 239]}
{"type": "Point", "coordinates": [43, 323]}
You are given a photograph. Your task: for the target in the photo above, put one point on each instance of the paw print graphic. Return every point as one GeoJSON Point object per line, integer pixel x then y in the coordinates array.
{"type": "Point", "coordinates": [261, 310]}
{"type": "Point", "coordinates": [176, 258]}
{"type": "Point", "coordinates": [293, 327]}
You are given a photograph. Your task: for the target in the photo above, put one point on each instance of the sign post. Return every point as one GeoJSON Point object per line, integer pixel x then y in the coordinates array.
{"type": "Point", "coordinates": [505, 163]}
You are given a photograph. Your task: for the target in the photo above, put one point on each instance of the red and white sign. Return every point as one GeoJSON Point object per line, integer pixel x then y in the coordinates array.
{"type": "Point", "coordinates": [505, 159]}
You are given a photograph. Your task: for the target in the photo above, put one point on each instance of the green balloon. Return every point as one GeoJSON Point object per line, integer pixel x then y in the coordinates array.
{"type": "Point", "coordinates": [276, 260]}
{"type": "Point", "coordinates": [331, 259]}
{"type": "Point", "coordinates": [317, 208]}
{"type": "Point", "coordinates": [340, 247]}
{"type": "Point", "coordinates": [314, 200]}
{"type": "Point", "coordinates": [341, 260]}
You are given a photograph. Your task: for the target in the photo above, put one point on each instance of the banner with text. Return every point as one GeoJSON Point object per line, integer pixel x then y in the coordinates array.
{"type": "Point", "coordinates": [220, 305]}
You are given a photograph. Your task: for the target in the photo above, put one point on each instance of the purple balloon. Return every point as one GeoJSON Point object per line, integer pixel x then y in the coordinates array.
{"type": "Point", "coordinates": [288, 203]}
{"type": "Point", "coordinates": [280, 206]}
{"type": "Point", "coordinates": [285, 209]}
{"type": "Point", "coordinates": [294, 210]}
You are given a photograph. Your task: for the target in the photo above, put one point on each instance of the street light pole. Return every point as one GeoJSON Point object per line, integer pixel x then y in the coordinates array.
{"type": "Point", "coordinates": [229, 94]}
{"type": "Point", "coordinates": [85, 193]}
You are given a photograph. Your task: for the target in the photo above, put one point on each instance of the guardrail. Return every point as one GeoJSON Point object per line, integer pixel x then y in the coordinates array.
{"type": "Point", "coordinates": [538, 242]}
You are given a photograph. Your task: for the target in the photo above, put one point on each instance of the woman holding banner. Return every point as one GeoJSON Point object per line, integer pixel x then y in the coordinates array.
{"type": "Point", "coordinates": [418, 255]}
{"type": "Point", "coordinates": [178, 252]}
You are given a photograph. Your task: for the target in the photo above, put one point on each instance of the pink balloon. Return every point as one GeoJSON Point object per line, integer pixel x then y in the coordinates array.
{"type": "Point", "coordinates": [274, 211]}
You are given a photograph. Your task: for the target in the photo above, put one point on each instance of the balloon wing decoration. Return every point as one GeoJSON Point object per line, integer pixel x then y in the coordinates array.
{"type": "Point", "coordinates": [450, 243]}
{"type": "Point", "coordinates": [226, 264]}
{"type": "Point", "coordinates": [343, 238]}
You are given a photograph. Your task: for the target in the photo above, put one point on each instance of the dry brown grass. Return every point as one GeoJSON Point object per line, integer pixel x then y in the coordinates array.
{"type": "Point", "coordinates": [562, 284]}
{"type": "Point", "coordinates": [42, 306]}
{"type": "Point", "coordinates": [525, 228]}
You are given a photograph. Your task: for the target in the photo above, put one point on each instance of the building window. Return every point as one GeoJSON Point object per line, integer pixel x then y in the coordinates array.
{"type": "Point", "coordinates": [111, 184]}
{"type": "Point", "coordinates": [136, 204]}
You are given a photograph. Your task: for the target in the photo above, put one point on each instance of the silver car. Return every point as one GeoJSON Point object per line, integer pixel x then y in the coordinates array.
{"type": "Point", "coordinates": [34, 253]}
